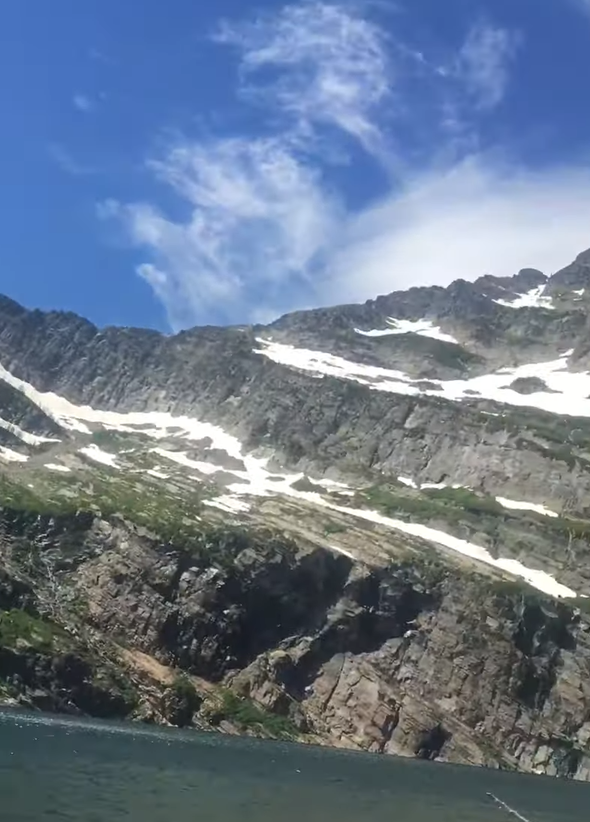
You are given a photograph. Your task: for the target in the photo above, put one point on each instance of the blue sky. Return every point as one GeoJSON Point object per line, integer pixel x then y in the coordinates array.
{"type": "Point", "coordinates": [213, 163]}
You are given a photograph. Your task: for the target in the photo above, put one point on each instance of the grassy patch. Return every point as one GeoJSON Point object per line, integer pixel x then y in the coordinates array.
{"type": "Point", "coordinates": [460, 506]}
{"type": "Point", "coordinates": [247, 715]}
{"type": "Point", "coordinates": [184, 690]}
{"type": "Point", "coordinates": [19, 626]}
{"type": "Point", "coordinates": [171, 517]}
{"type": "Point", "coordinates": [176, 521]}
{"type": "Point", "coordinates": [333, 527]}
{"type": "Point", "coordinates": [120, 689]}
{"type": "Point", "coordinates": [467, 500]}
{"type": "Point", "coordinates": [450, 504]}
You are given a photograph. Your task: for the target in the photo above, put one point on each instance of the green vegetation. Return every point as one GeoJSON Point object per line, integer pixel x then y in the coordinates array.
{"type": "Point", "coordinates": [179, 521]}
{"type": "Point", "coordinates": [460, 506]}
{"type": "Point", "coordinates": [247, 715]}
{"type": "Point", "coordinates": [425, 569]}
{"type": "Point", "coordinates": [20, 627]}
{"type": "Point", "coordinates": [467, 500]}
{"type": "Point", "coordinates": [169, 515]}
{"type": "Point", "coordinates": [114, 440]}
{"type": "Point", "coordinates": [185, 691]}
{"type": "Point", "coordinates": [450, 504]}
{"type": "Point", "coordinates": [333, 527]}
{"type": "Point", "coordinates": [122, 692]}
{"type": "Point", "coordinates": [562, 437]}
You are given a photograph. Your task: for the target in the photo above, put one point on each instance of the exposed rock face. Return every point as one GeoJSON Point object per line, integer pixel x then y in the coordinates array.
{"type": "Point", "coordinates": [410, 659]}
{"type": "Point", "coordinates": [161, 574]}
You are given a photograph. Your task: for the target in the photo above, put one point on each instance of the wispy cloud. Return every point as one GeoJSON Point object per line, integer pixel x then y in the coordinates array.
{"type": "Point", "coordinates": [83, 103]}
{"type": "Point", "coordinates": [67, 162]}
{"type": "Point", "coordinates": [265, 229]}
{"type": "Point", "coordinates": [260, 218]}
{"type": "Point", "coordinates": [483, 64]}
{"type": "Point", "coordinates": [319, 63]}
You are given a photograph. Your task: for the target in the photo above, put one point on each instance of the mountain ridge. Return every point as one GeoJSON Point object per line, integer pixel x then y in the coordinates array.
{"type": "Point", "coordinates": [432, 447]}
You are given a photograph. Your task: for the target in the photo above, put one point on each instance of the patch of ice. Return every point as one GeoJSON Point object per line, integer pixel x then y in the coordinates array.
{"type": "Point", "coordinates": [424, 328]}
{"type": "Point", "coordinates": [25, 436]}
{"type": "Point", "coordinates": [54, 466]}
{"type": "Point", "coordinates": [8, 455]}
{"type": "Point", "coordinates": [95, 453]}
{"type": "Point", "coordinates": [525, 506]}
{"type": "Point", "coordinates": [532, 299]}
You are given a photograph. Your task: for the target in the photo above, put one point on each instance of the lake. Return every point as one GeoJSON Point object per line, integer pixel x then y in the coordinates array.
{"type": "Point", "coordinates": [54, 768]}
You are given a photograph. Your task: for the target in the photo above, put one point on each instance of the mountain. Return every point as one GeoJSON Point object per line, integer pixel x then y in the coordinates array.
{"type": "Point", "coordinates": [365, 526]}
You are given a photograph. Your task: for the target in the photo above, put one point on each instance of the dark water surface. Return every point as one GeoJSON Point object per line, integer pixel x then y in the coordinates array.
{"type": "Point", "coordinates": [61, 769]}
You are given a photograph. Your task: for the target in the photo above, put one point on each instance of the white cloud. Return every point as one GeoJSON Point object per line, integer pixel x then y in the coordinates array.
{"type": "Point", "coordinates": [265, 232]}
{"type": "Point", "coordinates": [476, 218]}
{"type": "Point", "coordinates": [327, 64]}
{"type": "Point", "coordinates": [484, 62]}
{"type": "Point", "coordinates": [258, 219]}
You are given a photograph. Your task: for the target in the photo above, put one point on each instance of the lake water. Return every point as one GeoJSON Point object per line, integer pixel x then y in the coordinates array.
{"type": "Point", "coordinates": [61, 769]}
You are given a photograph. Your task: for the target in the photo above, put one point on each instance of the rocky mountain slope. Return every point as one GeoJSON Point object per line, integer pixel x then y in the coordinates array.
{"type": "Point", "coordinates": [366, 525]}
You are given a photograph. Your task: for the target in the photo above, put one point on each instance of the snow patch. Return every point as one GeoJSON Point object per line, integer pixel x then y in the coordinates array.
{"type": "Point", "coordinates": [439, 486]}
{"type": "Point", "coordinates": [228, 503]}
{"type": "Point", "coordinates": [424, 328]}
{"type": "Point", "coordinates": [8, 455]}
{"type": "Point", "coordinates": [343, 551]}
{"type": "Point", "coordinates": [538, 579]}
{"type": "Point", "coordinates": [531, 299]}
{"type": "Point", "coordinates": [96, 454]}
{"type": "Point", "coordinates": [154, 424]}
{"type": "Point", "coordinates": [525, 506]}
{"type": "Point", "coordinates": [332, 486]}
{"type": "Point", "coordinates": [568, 392]}
{"type": "Point", "coordinates": [54, 466]}
{"type": "Point", "coordinates": [157, 474]}
{"type": "Point", "coordinates": [407, 481]}
{"type": "Point", "coordinates": [25, 436]}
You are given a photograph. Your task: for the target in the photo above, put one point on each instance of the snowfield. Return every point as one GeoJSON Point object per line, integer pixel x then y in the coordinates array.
{"type": "Point", "coordinates": [568, 392]}
{"type": "Point", "coordinates": [255, 479]}
{"type": "Point", "coordinates": [532, 299]}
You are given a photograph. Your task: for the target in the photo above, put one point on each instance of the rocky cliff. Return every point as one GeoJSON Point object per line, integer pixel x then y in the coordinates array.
{"type": "Point", "coordinates": [364, 526]}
